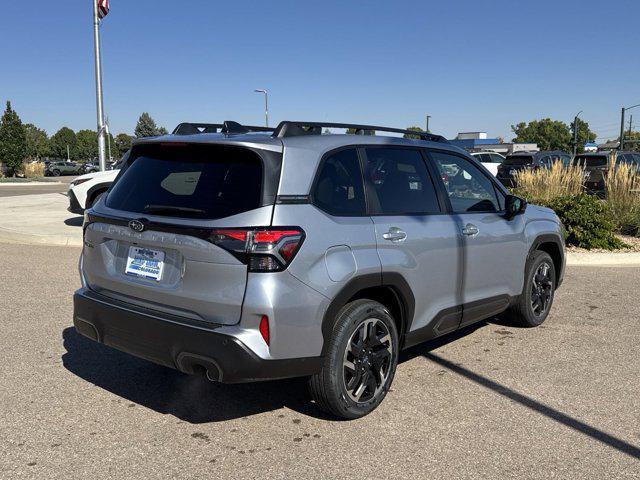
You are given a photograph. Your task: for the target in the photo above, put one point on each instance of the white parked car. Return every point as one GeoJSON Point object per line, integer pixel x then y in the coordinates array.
{"type": "Point", "coordinates": [86, 189]}
{"type": "Point", "coordinates": [491, 160]}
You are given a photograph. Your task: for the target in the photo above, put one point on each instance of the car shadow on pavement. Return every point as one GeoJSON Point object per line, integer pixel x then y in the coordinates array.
{"type": "Point", "coordinates": [426, 350]}
{"type": "Point", "coordinates": [191, 398]}
{"type": "Point", "coordinates": [74, 221]}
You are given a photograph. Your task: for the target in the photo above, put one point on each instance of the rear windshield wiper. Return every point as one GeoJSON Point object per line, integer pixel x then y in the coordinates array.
{"type": "Point", "coordinates": [160, 209]}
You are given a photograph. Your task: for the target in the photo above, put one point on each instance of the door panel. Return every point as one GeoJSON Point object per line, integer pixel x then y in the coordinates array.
{"type": "Point", "coordinates": [494, 246]}
{"type": "Point", "coordinates": [414, 238]}
{"type": "Point", "coordinates": [494, 257]}
{"type": "Point", "coordinates": [429, 259]}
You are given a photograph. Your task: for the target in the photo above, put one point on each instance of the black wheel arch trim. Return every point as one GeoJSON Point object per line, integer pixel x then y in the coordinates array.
{"type": "Point", "coordinates": [97, 188]}
{"type": "Point", "coordinates": [394, 281]}
{"type": "Point", "coordinates": [556, 240]}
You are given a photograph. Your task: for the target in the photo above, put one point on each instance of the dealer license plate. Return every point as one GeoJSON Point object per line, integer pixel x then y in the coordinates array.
{"type": "Point", "coordinates": [145, 262]}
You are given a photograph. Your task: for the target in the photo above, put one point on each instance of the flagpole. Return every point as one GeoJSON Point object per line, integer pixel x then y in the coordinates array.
{"type": "Point", "coordinates": [99, 106]}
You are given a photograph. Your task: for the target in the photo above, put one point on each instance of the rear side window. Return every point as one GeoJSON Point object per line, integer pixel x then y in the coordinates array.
{"type": "Point", "coordinates": [399, 183]}
{"type": "Point", "coordinates": [191, 181]}
{"type": "Point", "coordinates": [338, 189]}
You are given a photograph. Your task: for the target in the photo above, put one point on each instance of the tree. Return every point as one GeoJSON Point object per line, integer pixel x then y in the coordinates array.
{"type": "Point", "coordinates": [413, 129]}
{"type": "Point", "coordinates": [634, 141]}
{"type": "Point", "coordinates": [548, 134]}
{"type": "Point", "coordinates": [352, 131]}
{"type": "Point", "coordinates": [585, 135]}
{"type": "Point", "coordinates": [87, 145]}
{"type": "Point", "coordinates": [13, 141]}
{"type": "Point", "coordinates": [37, 142]}
{"type": "Point", "coordinates": [146, 127]}
{"type": "Point", "coordinates": [59, 142]}
{"type": "Point", "coordinates": [123, 143]}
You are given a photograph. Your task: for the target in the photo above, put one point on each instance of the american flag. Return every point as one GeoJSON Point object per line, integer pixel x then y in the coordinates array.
{"type": "Point", "coordinates": [103, 8]}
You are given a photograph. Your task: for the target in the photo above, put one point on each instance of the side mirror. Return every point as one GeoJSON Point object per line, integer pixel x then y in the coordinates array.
{"type": "Point", "coordinates": [514, 205]}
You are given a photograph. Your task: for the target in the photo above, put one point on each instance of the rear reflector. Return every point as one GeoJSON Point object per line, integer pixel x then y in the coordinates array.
{"type": "Point", "coordinates": [262, 249]}
{"type": "Point", "coordinates": [264, 328]}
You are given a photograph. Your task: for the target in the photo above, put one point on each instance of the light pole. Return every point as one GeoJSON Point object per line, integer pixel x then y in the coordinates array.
{"type": "Point", "coordinates": [266, 104]}
{"type": "Point", "coordinates": [624, 109]}
{"type": "Point", "coordinates": [428, 117]}
{"type": "Point", "coordinates": [99, 107]}
{"type": "Point", "coordinates": [575, 133]}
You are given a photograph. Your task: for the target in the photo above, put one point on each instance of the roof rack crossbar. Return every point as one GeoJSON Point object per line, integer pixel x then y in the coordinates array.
{"type": "Point", "coordinates": [228, 127]}
{"type": "Point", "coordinates": [292, 129]}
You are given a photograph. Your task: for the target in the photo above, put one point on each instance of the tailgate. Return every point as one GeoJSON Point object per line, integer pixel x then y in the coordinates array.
{"type": "Point", "coordinates": [199, 280]}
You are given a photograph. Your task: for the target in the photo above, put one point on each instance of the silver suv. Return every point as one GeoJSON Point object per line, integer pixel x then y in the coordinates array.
{"type": "Point", "coordinates": [251, 255]}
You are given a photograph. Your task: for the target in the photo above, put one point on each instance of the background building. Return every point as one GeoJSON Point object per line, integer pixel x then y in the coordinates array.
{"type": "Point", "coordinates": [478, 141]}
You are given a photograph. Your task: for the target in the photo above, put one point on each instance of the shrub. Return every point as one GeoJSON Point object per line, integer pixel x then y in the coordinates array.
{"type": "Point", "coordinates": [33, 169]}
{"type": "Point", "coordinates": [587, 221]}
{"type": "Point", "coordinates": [623, 198]}
{"type": "Point", "coordinates": [545, 184]}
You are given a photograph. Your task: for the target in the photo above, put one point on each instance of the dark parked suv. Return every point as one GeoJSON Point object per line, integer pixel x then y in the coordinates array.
{"type": "Point", "coordinates": [597, 165]}
{"type": "Point", "coordinates": [528, 160]}
{"type": "Point", "coordinates": [251, 255]}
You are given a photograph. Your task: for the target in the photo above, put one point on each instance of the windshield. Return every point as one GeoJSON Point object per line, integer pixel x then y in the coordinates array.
{"type": "Point", "coordinates": [519, 160]}
{"type": "Point", "coordinates": [192, 181]}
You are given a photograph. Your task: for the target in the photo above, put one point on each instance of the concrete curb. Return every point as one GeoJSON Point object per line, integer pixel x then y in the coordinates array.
{"type": "Point", "coordinates": [27, 184]}
{"type": "Point", "coordinates": [612, 259]}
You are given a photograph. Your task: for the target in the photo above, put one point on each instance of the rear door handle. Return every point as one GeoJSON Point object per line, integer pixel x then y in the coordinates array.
{"type": "Point", "coordinates": [395, 235]}
{"type": "Point", "coordinates": [470, 229]}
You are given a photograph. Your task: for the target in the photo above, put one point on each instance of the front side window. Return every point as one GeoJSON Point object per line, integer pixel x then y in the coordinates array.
{"type": "Point", "coordinates": [468, 188]}
{"type": "Point", "coordinates": [398, 182]}
{"type": "Point", "coordinates": [338, 189]}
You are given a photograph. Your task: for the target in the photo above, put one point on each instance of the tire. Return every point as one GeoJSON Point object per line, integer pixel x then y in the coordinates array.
{"type": "Point", "coordinates": [91, 202]}
{"type": "Point", "coordinates": [56, 173]}
{"type": "Point", "coordinates": [364, 340]}
{"type": "Point", "coordinates": [536, 300]}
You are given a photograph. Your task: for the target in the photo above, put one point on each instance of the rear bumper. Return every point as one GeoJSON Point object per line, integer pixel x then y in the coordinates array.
{"type": "Point", "coordinates": [74, 205]}
{"type": "Point", "coordinates": [170, 342]}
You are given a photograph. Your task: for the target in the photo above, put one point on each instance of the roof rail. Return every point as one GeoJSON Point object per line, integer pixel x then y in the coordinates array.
{"type": "Point", "coordinates": [294, 129]}
{"type": "Point", "coordinates": [228, 127]}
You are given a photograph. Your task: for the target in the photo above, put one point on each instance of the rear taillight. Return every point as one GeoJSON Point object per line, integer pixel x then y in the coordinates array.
{"type": "Point", "coordinates": [262, 249]}
{"type": "Point", "coordinates": [264, 328]}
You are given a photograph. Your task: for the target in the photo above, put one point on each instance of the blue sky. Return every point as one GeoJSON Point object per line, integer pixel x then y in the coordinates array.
{"type": "Point", "coordinates": [471, 65]}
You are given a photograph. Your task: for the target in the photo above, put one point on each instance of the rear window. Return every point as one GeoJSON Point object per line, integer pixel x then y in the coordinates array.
{"type": "Point", "coordinates": [518, 160]}
{"type": "Point", "coordinates": [191, 181]}
{"type": "Point", "coordinates": [591, 161]}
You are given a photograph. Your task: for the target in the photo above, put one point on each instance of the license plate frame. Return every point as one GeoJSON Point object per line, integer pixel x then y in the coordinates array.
{"type": "Point", "coordinates": [143, 262]}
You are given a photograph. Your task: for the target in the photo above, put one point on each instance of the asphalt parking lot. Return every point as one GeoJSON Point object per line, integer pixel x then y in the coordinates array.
{"type": "Point", "coordinates": [560, 401]}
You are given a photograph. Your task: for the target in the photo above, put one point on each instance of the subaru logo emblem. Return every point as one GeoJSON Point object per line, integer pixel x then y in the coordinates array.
{"type": "Point", "coordinates": [136, 225]}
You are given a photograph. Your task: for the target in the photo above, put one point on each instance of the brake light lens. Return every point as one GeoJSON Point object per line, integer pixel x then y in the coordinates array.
{"type": "Point", "coordinates": [262, 249]}
{"type": "Point", "coordinates": [264, 329]}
